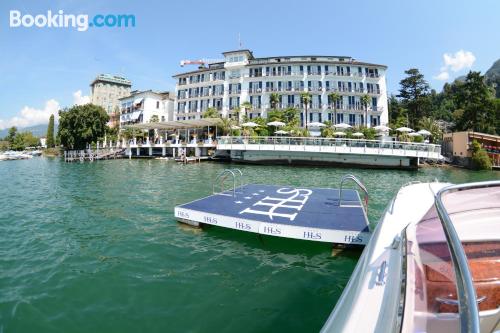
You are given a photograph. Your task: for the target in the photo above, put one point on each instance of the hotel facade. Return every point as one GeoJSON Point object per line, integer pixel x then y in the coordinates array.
{"type": "Point", "coordinates": [106, 90]}
{"type": "Point", "coordinates": [241, 78]}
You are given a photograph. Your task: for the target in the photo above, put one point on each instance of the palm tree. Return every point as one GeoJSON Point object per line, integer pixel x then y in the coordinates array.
{"type": "Point", "coordinates": [274, 100]}
{"type": "Point", "coordinates": [225, 125]}
{"type": "Point", "coordinates": [210, 113]}
{"type": "Point", "coordinates": [334, 98]}
{"type": "Point", "coordinates": [247, 106]}
{"type": "Point", "coordinates": [432, 126]}
{"type": "Point", "coordinates": [306, 98]}
{"type": "Point", "coordinates": [236, 112]}
{"type": "Point", "coordinates": [365, 101]}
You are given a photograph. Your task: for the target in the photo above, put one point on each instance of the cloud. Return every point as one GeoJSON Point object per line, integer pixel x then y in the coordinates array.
{"type": "Point", "coordinates": [443, 76]}
{"type": "Point", "coordinates": [78, 99]}
{"type": "Point", "coordinates": [455, 62]}
{"type": "Point", "coordinates": [29, 116]}
{"type": "Point", "coordinates": [458, 61]}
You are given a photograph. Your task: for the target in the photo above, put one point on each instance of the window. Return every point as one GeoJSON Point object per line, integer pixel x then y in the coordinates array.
{"type": "Point", "coordinates": [157, 104]}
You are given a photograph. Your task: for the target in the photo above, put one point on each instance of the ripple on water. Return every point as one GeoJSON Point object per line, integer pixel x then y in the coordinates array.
{"type": "Point", "coordinates": [94, 247]}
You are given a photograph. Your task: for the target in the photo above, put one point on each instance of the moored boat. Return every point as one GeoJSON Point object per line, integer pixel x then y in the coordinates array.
{"type": "Point", "coordinates": [432, 264]}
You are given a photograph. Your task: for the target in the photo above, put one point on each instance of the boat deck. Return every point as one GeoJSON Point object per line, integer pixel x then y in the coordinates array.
{"type": "Point", "coordinates": [302, 213]}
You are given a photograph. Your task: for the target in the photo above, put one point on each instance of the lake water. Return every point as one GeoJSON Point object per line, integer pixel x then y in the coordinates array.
{"type": "Point", "coordinates": [94, 247]}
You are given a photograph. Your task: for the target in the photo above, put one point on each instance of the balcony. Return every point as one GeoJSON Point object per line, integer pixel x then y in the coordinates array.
{"type": "Point", "coordinates": [235, 92]}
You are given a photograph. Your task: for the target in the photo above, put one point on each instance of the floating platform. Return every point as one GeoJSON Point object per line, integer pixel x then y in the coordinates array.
{"type": "Point", "coordinates": [314, 214]}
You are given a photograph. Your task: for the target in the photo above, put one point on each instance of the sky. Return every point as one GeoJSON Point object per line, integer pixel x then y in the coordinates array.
{"type": "Point", "coordinates": [45, 69]}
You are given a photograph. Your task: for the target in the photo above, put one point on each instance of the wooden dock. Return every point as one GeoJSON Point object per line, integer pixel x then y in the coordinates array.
{"type": "Point", "coordinates": [90, 155]}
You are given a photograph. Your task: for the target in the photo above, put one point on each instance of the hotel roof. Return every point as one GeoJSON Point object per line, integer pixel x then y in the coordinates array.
{"type": "Point", "coordinates": [295, 59]}
{"type": "Point", "coordinates": [111, 78]}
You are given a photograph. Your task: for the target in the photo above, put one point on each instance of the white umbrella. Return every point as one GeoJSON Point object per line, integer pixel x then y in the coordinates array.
{"type": "Point", "coordinates": [234, 127]}
{"type": "Point", "coordinates": [276, 123]}
{"type": "Point", "coordinates": [250, 124]}
{"type": "Point", "coordinates": [404, 129]}
{"type": "Point", "coordinates": [342, 125]}
{"type": "Point", "coordinates": [382, 128]}
{"type": "Point", "coordinates": [424, 132]}
{"type": "Point", "coordinates": [339, 133]}
{"type": "Point", "coordinates": [358, 134]}
{"type": "Point", "coordinates": [316, 124]}
{"type": "Point", "coordinates": [281, 132]}
{"type": "Point", "coordinates": [413, 134]}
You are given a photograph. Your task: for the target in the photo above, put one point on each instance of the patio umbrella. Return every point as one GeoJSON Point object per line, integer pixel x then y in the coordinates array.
{"type": "Point", "coordinates": [316, 124]}
{"type": "Point", "coordinates": [249, 124]}
{"type": "Point", "coordinates": [358, 134]}
{"type": "Point", "coordinates": [276, 123]}
{"type": "Point", "coordinates": [342, 125]}
{"type": "Point", "coordinates": [424, 132]}
{"type": "Point", "coordinates": [404, 129]}
{"type": "Point", "coordinates": [381, 128]}
{"type": "Point", "coordinates": [281, 132]}
{"type": "Point", "coordinates": [414, 134]}
{"type": "Point", "coordinates": [234, 127]}
{"type": "Point", "coordinates": [339, 133]}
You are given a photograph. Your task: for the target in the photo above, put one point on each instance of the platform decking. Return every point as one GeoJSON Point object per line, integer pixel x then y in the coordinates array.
{"type": "Point", "coordinates": [301, 213]}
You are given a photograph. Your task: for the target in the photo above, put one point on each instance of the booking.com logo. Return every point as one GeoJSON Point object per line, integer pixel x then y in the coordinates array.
{"type": "Point", "coordinates": [80, 22]}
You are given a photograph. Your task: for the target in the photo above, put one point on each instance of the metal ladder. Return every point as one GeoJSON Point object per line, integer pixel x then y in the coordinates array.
{"type": "Point", "coordinates": [360, 185]}
{"type": "Point", "coordinates": [236, 174]}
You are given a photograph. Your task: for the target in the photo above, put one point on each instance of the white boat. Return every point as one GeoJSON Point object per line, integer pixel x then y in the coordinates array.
{"type": "Point", "coordinates": [14, 155]}
{"type": "Point", "coordinates": [432, 264]}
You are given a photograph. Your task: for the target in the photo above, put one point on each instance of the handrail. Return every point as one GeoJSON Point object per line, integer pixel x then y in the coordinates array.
{"type": "Point", "coordinates": [467, 298]}
{"type": "Point", "coordinates": [221, 177]}
{"type": "Point", "coordinates": [318, 138]}
{"type": "Point", "coordinates": [360, 185]}
{"type": "Point", "coordinates": [319, 141]}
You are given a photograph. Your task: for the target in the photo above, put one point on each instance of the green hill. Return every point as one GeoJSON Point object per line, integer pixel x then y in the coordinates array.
{"type": "Point", "coordinates": [493, 76]}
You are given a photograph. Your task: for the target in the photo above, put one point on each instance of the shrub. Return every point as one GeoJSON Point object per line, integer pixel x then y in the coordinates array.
{"type": "Point", "coordinates": [480, 159]}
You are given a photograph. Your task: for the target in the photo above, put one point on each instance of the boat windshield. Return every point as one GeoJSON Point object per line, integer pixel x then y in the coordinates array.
{"type": "Point", "coordinates": [436, 295]}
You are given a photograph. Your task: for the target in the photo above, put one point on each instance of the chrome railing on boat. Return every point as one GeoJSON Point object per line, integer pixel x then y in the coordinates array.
{"type": "Point", "coordinates": [236, 174]}
{"type": "Point", "coordinates": [467, 298]}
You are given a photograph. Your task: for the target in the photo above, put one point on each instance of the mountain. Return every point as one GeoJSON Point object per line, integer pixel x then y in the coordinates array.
{"type": "Point", "coordinates": [38, 130]}
{"type": "Point", "coordinates": [493, 76]}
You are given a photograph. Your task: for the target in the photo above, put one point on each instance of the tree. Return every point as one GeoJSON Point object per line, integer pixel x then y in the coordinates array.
{"type": "Point", "coordinates": [154, 119]}
{"type": "Point", "coordinates": [50, 132]}
{"type": "Point", "coordinates": [211, 113]}
{"type": "Point", "coordinates": [432, 126]}
{"type": "Point", "coordinates": [414, 92]}
{"type": "Point", "coordinates": [290, 117]}
{"type": "Point", "coordinates": [247, 107]}
{"type": "Point", "coordinates": [476, 100]}
{"type": "Point", "coordinates": [81, 125]}
{"type": "Point", "coordinates": [237, 112]}
{"type": "Point", "coordinates": [225, 126]}
{"type": "Point", "coordinates": [306, 98]}
{"type": "Point", "coordinates": [365, 101]}
{"type": "Point", "coordinates": [274, 100]}
{"type": "Point", "coordinates": [23, 140]}
{"type": "Point", "coordinates": [334, 98]}
{"type": "Point", "coordinates": [12, 134]}
{"type": "Point", "coordinates": [480, 159]}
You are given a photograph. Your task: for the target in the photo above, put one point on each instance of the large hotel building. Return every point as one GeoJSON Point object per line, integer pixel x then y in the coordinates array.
{"type": "Point", "coordinates": [243, 78]}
